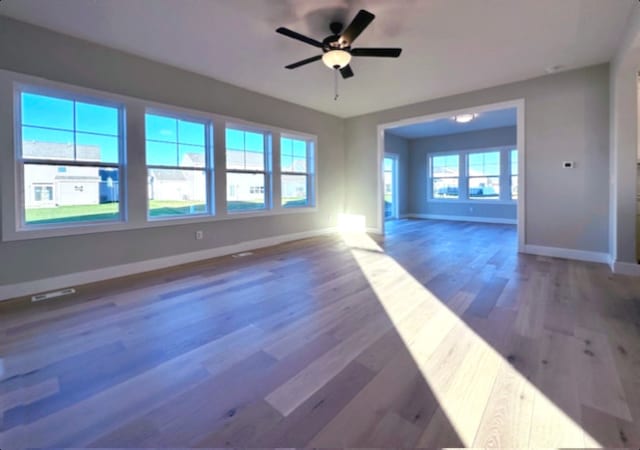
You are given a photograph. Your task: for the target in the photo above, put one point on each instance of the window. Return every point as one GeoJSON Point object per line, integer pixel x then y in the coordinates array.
{"type": "Point", "coordinates": [445, 173]}
{"type": "Point", "coordinates": [178, 166]}
{"type": "Point", "coordinates": [296, 162]}
{"type": "Point", "coordinates": [69, 160]}
{"type": "Point", "coordinates": [514, 174]}
{"type": "Point", "coordinates": [247, 170]}
{"type": "Point", "coordinates": [484, 175]}
{"type": "Point", "coordinates": [476, 175]}
{"type": "Point", "coordinates": [67, 164]}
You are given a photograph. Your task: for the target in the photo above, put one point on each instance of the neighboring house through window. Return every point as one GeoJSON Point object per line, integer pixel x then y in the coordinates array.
{"type": "Point", "coordinates": [71, 163]}
{"type": "Point", "coordinates": [69, 159]}
{"type": "Point", "coordinates": [177, 164]}
{"type": "Point", "coordinates": [247, 157]}
{"type": "Point", "coordinates": [445, 173]}
{"type": "Point", "coordinates": [296, 166]}
{"type": "Point", "coordinates": [484, 175]}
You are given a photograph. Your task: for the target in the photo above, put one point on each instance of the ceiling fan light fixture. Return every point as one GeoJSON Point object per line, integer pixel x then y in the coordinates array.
{"type": "Point", "coordinates": [464, 118]}
{"type": "Point", "coordinates": [336, 59]}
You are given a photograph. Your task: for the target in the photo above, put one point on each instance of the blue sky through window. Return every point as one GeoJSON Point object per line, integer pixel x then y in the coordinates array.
{"type": "Point", "coordinates": [245, 149]}
{"type": "Point", "coordinates": [445, 166]}
{"type": "Point", "coordinates": [174, 142]}
{"type": "Point", "coordinates": [244, 140]}
{"type": "Point", "coordinates": [293, 155]}
{"type": "Point", "coordinates": [52, 120]}
{"type": "Point", "coordinates": [484, 163]}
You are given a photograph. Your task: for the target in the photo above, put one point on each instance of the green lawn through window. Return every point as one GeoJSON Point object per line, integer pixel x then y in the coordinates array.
{"type": "Point", "coordinates": [157, 208]}
{"type": "Point", "coordinates": [107, 211]}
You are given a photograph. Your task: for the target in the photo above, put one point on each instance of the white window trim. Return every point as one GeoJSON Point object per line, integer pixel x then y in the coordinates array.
{"type": "Point", "coordinates": [310, 172]}
{"type": "Point", "coordinates": [20, 162]}
{"type": "Point", "coordinates": [463, 178]}
{"type": "Point", "coordinates": [430, 176]}
{"type": "Point", "coordinates": [134, 138]}
{"type": "Point", "coordinates": [511, 174]}
{"type": "Point", "coordinates": [266, 172]}
{"type": "Point", "coordinates": [208, 169]}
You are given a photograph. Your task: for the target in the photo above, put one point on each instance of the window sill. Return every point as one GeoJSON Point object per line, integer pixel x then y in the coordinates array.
{"type": "Point", "coordinates": [266, 213]}
{"type": "Point", "coordinates": [77, 230]}
{"type": "Point", "coordinates": [473, 202]}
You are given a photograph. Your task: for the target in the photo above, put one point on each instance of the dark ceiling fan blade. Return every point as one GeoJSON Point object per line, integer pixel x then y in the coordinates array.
{"type": "Point", "coordinates": [357, 26]}
{"type": "Point", "coordinates": [292, 34]}
{"type": "Point", "coordinates": [379, 52]}
{"type": "Point", "coordinates": [303, 62]}
{"type": "Point", "coordinates": [346, 72]}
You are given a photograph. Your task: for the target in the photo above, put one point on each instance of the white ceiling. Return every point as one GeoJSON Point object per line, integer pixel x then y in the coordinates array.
{"type": "Point", "coordinates": [441, 127]}
{"type": "Point", "coordinates": [449, 46]}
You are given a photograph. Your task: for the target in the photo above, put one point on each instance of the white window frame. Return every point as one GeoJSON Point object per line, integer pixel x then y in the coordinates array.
{"type": "Point", "coordinates": [463, 181]}
{"type": "Point", "coordinates": [430, 193]}
{"type": "Point", "coordinates": [309, 174]}
{"type": "Point", "coordinates": [209, 168]}
{"type": "Point", "coordinates": [267, 172]}
{"type": "Point", "coordinates": [133, 178]}
{"type": "Point", "coordinates": [500, 176]}
{"type": "Point", "coordinates": [21, 162]}
{"type": "Point", "coordinates": [511, 174]}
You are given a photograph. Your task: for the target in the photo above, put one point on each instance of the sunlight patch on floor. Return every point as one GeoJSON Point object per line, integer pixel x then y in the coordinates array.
{"type": "Point", "coordinates": [486, 400]}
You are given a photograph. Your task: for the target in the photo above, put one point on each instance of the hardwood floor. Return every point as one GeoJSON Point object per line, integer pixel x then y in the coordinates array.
{"type": "Point", "coordinates": [439, 334]}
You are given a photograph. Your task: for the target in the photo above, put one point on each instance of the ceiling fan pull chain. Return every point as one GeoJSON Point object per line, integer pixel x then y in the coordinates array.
{"type": "Point", "coordinates": [335, 84]}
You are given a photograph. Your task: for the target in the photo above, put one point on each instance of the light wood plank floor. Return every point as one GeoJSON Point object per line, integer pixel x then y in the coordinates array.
{"type": "Point", "coordinates": [439, 334]}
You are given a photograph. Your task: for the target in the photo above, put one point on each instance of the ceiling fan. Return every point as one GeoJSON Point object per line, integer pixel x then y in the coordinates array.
{"type": "Point", "coordinates": [336, 48]}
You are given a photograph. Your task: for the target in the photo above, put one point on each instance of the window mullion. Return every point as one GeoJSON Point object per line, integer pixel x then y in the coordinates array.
{"type": "Point", "coordinates": [276, 170]}
{"type": "Point", "coordinates": [75, 135]}
{"type": "Point", "coordinates": [505, 178]}
{"type": "Point", "coordinates": [463, 181]}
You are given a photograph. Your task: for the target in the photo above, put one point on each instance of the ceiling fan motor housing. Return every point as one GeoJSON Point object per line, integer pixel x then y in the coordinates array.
{"type": "Point", "coordinates": [336, 48]}
{"type": "Point", "coordinates": [334, 42]}
{"type": "Point", "coordinates": [336, 28]}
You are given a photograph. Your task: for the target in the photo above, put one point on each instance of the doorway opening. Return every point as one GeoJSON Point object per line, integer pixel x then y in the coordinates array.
{"type": "Point", "coordinates": [463, 165]}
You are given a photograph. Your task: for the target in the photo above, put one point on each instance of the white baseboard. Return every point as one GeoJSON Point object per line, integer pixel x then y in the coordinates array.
{"type": "Point", "coordinates": [625, 268]}
{"type": "Point", "coordinates": [567, 253]}
{"type": "Point", "coordinates": [462, 218]}
{"type": "Point", "coordinates": [10, 291]}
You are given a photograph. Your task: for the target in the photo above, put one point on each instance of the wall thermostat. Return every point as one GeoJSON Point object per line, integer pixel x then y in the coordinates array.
{"type": "Point", "coordinates": [568, 164]}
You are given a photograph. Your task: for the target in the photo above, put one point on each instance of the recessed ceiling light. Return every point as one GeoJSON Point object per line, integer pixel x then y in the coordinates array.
{"type": "Point", "coordinates": [464, 118]}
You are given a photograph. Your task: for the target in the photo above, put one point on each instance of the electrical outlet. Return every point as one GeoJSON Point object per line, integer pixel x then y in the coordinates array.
{"type": "Point", "coordinates": [199, 235]}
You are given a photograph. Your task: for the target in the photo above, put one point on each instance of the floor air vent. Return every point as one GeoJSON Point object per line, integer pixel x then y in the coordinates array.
{"type": "Point", "coordinates": [48, 295]}
{"type": "Point", "coordinates": [242, 255]}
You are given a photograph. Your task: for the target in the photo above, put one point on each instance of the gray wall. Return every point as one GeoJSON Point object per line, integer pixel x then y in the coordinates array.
{"type": "Point", "coordinates": [400, 146]}
{"type": "Point", "coordinates": [39, 52]}
{"type": "Point", "coordinates": [567, 118]}
{"type": "Point", "coordinates": [419, 150]}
